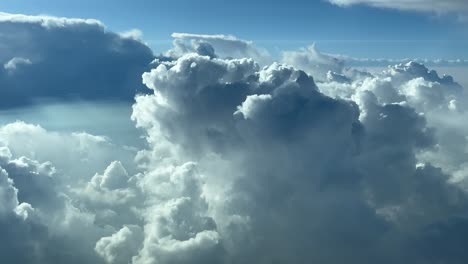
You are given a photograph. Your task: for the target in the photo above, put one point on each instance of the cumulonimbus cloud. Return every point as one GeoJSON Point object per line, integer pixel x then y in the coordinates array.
{"type": "Point", "coordinates": [281, 163]}
{"type": "Point", "coordinates": [247, 162]}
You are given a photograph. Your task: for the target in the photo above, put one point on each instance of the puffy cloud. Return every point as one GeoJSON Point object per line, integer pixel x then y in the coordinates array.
{"type": "Point", "coordinates": [54, 213]}
{"type": "Point", "coordinates": [335, 67]}
{"type": "Point", "coordinates": [415, 5]}
{"type": "Point", "coordinates": [177, 227]}
{"type": "Point", "coordinates": [245, 162]}
{"type": "Point", "coordinates": [115, 177]}
{"type": "Point", "coordinates": [113, 187]}
{"type": "Point", "coordinates": [39, 221]}
{"type": "Point", "coordinates": [313, 62]}
{"type": "Point", "coordinates": [281, 163]}
{"type": "Point", "coordinates": [439, 98]}
{"type": "Point", "coordinates": [59, 58]}
{"type": "Point", "coordinates": [9, 194]}
{"type": "Point", "coordinates": [225, 46]}
{"type": "Point", "coordinates": [81, 156]}
{"type": "Point", "coordinates": [328, 68]}
{"type": "Point", "coordinates": [121, 246]}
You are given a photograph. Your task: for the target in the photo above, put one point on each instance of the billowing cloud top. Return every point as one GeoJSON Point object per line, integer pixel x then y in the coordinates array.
{"type": "Point", "coordinates": [437, 6]}
{"type": "Point", "coordinates": [244, 162]}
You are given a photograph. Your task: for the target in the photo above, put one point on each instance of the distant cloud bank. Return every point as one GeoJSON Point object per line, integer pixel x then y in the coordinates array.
{"type": "Point", "coordinates": [435, 6]}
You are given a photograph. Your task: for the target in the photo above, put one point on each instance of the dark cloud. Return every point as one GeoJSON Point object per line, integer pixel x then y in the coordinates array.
{"type": "Point", "coordinates": [292, 175]}
{"type": "Point", "coordinates": [58, 58]}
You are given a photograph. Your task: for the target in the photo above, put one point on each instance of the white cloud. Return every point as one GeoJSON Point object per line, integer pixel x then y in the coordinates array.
{"type": "Point", "coordinates": [38, 219]}
{"type": "Point", "coordinates": [435, 6]}
{"type": "Point", "coordinates": [12, 64]}
{"type": "Point", "coordinates": [280, 161]}
{"type": "Point", "coordinates": [134, 34]}
{"type": "Point", "coordinates": [225, 46]}
{"type": "Point", "coordinates": [313, 62]}
{"type": "Point", "coordinates": [81, 156]}
{"type": "Point", "coordinates": [48, 21]}
{"type": "Point", "coordinates": [8, 194]}
{"type": "Point", "coordinates": [121, 246]}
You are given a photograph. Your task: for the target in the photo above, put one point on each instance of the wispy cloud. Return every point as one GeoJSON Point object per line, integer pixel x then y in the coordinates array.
{"type": "Point", "coordinates": [435, 6]}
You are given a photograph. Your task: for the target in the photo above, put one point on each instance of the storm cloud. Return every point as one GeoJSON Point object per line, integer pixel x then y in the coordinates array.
{"type": "Point", "coordinates": [60, 58]}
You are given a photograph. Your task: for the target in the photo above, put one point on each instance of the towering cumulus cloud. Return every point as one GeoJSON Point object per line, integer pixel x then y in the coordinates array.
{"type": "Point", "coordinates": [58, 58]}
{"type": "Point", "coordinates": [247, 162]}
{"type": "Point", "coordinates": [285, 174]}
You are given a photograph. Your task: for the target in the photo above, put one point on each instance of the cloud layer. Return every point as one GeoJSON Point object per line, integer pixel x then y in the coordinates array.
{"type": "Point", "coordinates": [246, 161]}
{"type": "Point", "coordinates": [435, 6]}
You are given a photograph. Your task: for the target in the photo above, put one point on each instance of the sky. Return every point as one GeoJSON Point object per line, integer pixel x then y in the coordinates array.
{"type": "Point", "coordinates": [225, 132]}
{"type": "Point", "coordinates": [357, 30]}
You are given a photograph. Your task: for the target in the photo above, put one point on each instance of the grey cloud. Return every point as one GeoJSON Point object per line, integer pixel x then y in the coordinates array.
{"type": "Point", "coordinates": [115, 177]}
{"type": "Point", "coordinates": [328, 67]}
{"type": "Point", "coordinates": [313, 62]}
{"type": "Point", "coordinates": [439, 98]}
{"type": "Point", "coordinates": [92, 153]}
{"type": "Point", "coordinates": [283, 162]}
{"type": "Point", "coordinates": [177, 226]}
{"type": "Point", "coordinates": [41, 225]}
{"type": "Point", "coordinates": [12, 64]}
{"type": "Point", "coordinates": [121, 246]}
{"type": "Point", "coordinates": [9, 194]}
{"type": "Point", "coordinates": [414, 5]}
{"type": "Point", "coordinates": [67, 59]}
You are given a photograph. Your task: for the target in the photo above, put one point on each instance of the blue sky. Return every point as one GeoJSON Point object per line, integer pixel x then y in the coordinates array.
{"type": "Point", "coordinates": [356, 31]}
{"type": "Point", "coordinates": [215, 151]}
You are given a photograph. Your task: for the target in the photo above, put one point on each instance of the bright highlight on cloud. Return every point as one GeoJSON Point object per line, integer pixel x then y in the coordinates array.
{"type": "Point", "coordinates": [436, 6]}
{"type": "Point", "coordinates": [306, 160]}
